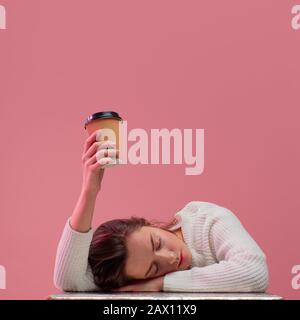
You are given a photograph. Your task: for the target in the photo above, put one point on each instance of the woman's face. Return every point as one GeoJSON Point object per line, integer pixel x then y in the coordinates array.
{"type": "Point", "coordinates": [154, 252]}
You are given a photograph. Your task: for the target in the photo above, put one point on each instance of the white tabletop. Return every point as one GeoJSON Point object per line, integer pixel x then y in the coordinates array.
{"type": "Point", "coordinates": [163, 296]}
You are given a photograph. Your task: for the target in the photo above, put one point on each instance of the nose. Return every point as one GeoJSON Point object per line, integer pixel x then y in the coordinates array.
{"type": "Point", "coordinates": [169, 257]}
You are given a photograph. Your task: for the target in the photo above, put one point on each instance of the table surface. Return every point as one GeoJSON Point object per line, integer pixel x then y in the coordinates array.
{"type": "Point", "coordinates": [163, 296]}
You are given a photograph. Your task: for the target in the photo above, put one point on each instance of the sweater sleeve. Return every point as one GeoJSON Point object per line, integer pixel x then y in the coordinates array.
{"type": "Point", "coordinates": [72, 271]}
{"type": "Point", "coordinates": [241, 265]}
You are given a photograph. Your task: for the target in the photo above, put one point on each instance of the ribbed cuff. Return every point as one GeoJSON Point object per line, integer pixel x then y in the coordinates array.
{"type": "Point", "coordinates": [178, 281]}
{"type": "Point", "coordinates": [76, 239]}
{"type": "Point", "coordinates": [75, 231]}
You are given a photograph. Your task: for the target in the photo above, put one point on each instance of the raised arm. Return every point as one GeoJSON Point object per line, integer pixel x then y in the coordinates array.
{"type": "Point", "coordinates": [72, 271]}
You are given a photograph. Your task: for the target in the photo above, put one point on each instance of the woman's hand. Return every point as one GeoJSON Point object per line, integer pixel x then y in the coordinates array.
{"type": "Point", "coordinates": [96, 155]}
{"type": "Point", "coordinates": [153, 284]}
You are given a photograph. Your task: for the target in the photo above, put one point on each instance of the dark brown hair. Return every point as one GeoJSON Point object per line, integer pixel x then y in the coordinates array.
{"type": "Point", "coordinates": [108, 251]}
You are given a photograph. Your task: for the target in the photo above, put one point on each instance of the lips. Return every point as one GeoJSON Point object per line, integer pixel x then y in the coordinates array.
{"type": "Point", "coordinates": [180, 259]}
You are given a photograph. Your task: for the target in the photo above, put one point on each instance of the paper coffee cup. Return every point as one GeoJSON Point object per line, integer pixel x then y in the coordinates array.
{"type": "Point", "coordinates": [110, 122]}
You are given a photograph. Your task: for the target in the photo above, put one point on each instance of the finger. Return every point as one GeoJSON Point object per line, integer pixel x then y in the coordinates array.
{"type": "Point", "coordinates": [106, 144]}
{"type": "Point", "coordinates": [96, 162]}
{"type": "Point", "coordinates": [114, 163]}
{"type": "Point", "coordinates": [106, 161]}
{"type": "Point", "coordinates": [95, 136]}
{"type": "Point", "coordinates": [112, 153]}
{"type": "Point", "coordinates": [96, 146]}
{"type": "Point", "coordinates": [109, 162]}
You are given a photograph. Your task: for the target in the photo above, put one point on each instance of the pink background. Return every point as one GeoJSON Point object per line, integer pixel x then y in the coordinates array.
{"type": "Point", "coordinates": [230, 67]}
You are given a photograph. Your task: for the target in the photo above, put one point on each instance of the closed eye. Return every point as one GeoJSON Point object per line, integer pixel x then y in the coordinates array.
{"type": "Point", "coordinates": [159, 244]}
{"type": "Point", "coordinates": [158, 247]}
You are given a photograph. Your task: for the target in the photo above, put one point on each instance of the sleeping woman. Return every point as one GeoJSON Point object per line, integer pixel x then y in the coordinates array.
{"type": "Point", "coordinates": [204, 248]}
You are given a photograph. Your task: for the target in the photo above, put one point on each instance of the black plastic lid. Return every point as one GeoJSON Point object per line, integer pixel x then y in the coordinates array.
{"type": "Point", "coordinates": [102, 115]}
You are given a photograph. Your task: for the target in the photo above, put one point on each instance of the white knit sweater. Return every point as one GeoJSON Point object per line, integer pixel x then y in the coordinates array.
{"type": "Point", "coordinates": [224, 256]}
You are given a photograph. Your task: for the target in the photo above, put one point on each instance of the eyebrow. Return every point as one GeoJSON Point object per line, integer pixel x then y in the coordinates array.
{"type": "Point", "coordinates": [151, 239]}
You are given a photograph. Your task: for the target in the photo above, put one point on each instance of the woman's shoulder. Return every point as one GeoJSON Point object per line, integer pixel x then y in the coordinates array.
{"type": "Point", "coordinates": [203, 208]}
